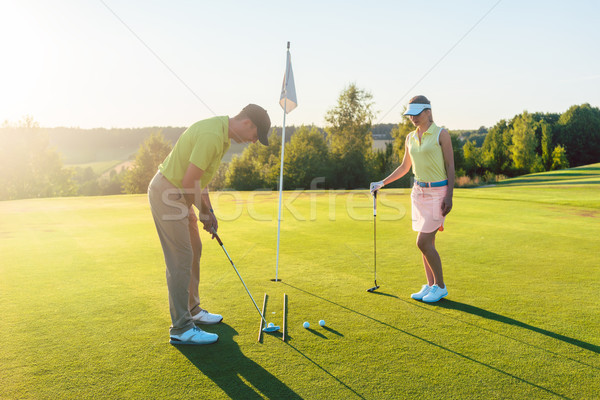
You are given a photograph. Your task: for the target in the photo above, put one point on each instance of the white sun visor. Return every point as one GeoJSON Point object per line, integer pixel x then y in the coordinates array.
{"type": "Point", "coordinates": [416, 109]}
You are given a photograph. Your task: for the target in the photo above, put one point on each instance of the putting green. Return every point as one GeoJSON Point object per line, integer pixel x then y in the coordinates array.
{"type": "Point", "coordinates": [85, 313]}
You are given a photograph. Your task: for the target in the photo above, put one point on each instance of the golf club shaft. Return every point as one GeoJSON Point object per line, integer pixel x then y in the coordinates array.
{"type": "Point", "coordinates": [238, 274]}
{"type": "Point", "coordinates": [375, 237]}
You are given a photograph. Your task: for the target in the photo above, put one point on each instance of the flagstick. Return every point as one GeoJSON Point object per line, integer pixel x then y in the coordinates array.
{"type": "Point", "coordinates": [285, 83]}
{"type": "Point", "coordinates": [280, 189]}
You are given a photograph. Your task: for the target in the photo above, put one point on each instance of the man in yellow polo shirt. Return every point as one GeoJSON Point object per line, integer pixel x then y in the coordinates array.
{"type": "Point", "coordinates": [180, 183]}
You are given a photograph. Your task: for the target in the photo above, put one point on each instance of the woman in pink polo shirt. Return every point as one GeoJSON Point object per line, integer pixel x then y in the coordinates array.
{"type": "Point", "coordinates": [429, 153]}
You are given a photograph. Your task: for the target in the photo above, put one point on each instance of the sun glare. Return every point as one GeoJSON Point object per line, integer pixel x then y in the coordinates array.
{"type": "Point", "coordinates": [24, 54]}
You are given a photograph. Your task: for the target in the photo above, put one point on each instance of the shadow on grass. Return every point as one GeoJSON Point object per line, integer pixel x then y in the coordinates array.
{"type": "Point", "coordinates": [324, 370]}
{"type": "Point", "coordinates": [433, 308]}
{"type": "Point", "coordinates": [314, 332]}
{"type": "Point", "coordinates": [430, 342]}
{"type": "Point", "coordinates": [384, 294]}
{"type": "Point", "coordinates": [238, 376]}
{"type": "Point", "coordinates": [455, 305]}
{"type": "Point", "coordinates": [333, 331]}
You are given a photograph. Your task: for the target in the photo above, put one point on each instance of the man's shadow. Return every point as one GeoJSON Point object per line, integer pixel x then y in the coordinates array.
{"type": "Point", "coordinates": [455, 305]}
{"type": "Point", "coordinates": [230, 369]}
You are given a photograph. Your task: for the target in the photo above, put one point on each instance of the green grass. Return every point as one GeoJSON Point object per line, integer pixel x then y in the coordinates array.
{"type": "Point", "coordinates": [585, 175]}
{"type": "Point", "coordinates": [85, 311]}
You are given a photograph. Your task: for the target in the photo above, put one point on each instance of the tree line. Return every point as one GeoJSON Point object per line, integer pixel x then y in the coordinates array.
{"type": "Point", "coordinates": [537, 142]}
{"type": "Point", "coordinates": [340, 156]}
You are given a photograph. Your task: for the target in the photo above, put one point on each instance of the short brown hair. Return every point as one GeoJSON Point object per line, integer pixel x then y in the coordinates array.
{"type": "Point", "coordinates": [419, 100]}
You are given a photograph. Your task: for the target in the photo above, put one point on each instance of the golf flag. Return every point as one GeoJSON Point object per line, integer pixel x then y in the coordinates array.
{"type": "Point", "coordinates": [287, 101]}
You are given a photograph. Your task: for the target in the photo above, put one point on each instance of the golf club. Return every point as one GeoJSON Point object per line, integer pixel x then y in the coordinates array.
{"type": "Point", "coordinates": [374, 243]}
{"type": "Point", "coordinates": [267, 328]}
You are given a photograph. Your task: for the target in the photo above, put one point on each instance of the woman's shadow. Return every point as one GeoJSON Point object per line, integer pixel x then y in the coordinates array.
{"type": "Point", "coordinates": [455, 305]}
{"type": "Point", "coordinates": [226, 365]}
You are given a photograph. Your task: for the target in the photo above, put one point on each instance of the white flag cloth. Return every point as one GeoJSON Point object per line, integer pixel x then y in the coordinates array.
{"type": "Point", "coordinates": [287, 100]}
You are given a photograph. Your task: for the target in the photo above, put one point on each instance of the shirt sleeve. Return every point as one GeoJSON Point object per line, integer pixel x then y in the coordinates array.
{"type": "Point", "coordinates": [204, 152]}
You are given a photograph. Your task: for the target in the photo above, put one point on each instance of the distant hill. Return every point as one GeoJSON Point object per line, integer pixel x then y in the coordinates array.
{"type": "Point", "coordinates": [82, 146]}
{"type": "Point", "coordinates": [79, 146]}
{"type": "Point", "coordinates": [477, 135]}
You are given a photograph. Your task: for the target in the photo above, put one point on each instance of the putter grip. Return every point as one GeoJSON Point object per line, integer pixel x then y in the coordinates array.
{"type": "Point", "coordinates": [375, 203]}
{"type": "Point", "coordinates": [217, 237]}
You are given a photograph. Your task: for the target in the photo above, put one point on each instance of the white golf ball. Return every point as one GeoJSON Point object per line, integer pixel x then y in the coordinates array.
{"type": "Point", "coordinates": [322, 322]}
{"type": "Point", "coordinates": [306, 325]}
{"type": "Point", "coordinates": [271, 325]}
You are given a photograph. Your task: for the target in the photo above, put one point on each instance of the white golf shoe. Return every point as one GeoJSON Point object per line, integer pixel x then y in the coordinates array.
{"type": "Point", "coordinates": [194, 336]}
{"type": "Point", "coordinates": [206, 318]}
{"type": "Point", "coordinates": [419, 295]}
{"type": "Point", "coordinates": [435, 294]}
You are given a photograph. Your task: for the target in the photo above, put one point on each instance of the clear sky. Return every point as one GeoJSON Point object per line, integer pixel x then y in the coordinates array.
{"type": "Point", "coordinates": [74, 63]}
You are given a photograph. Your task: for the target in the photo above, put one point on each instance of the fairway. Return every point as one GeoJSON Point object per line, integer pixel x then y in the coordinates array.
{"type": "Point", "coordinates": [85, 310]}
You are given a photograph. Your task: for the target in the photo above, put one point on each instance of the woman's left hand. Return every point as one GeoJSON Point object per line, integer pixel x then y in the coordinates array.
{"type": "Point", "coordinates": [210, 223]}
{"type": "Point", "coordinates": [446, 205]}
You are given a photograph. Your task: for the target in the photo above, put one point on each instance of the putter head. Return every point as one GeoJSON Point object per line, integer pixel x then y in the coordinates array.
{"type": "Point", "coordinates": [271, 328]}
{"type": "Point", "coordinates": [374, 288]}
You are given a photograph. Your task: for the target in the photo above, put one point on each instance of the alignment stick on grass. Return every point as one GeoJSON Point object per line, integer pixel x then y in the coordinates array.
{"type": "Point", "coordinates": [260, 328]}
